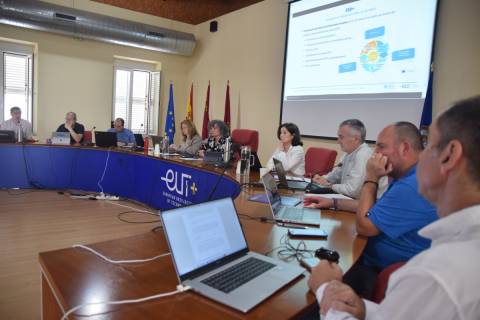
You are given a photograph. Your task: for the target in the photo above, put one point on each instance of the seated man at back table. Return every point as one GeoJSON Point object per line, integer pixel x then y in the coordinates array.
{"type": "Point", "coordinates": [441, 282]}
{"type": "Point", "coordinates": [71, 125]}
{"type": "Point", "coordinates": [347, 178]}
{"type": "Point", "coordinates": [125, 137]}
{"type": "Point", "coordinates": [16, 123]}
{"type": "Point", "coordinates": [392, 222]}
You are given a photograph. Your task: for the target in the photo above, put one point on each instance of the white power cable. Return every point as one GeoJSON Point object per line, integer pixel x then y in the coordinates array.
{"type": "Point", "coordinates": [180, 288]}
{"type": "Point", "coordinates": [119, 261]}
{"type": "Point", "coordinates": [133, 209]}
{"type": "Point", "coordinates": [104, 171]}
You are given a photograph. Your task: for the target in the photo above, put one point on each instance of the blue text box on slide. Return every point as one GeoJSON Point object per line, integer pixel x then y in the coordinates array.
{"type": "Point", "coordinates": [376, 32]}
{"type": "Point", "coordinates": [347, 67]}
{"type": "Point", "coordinates": [403, 54]}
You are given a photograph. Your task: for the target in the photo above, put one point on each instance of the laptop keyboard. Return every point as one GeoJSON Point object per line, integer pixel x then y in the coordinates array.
{"type": "Point", "coordinates": [291, 213]}
{"type": "Point", "coordinates": [237, 275]}
{"type": "Point", "coordinates": [296, 184]}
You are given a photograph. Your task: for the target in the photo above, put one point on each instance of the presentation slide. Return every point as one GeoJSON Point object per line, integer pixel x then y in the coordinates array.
{"type": "Point", "coordinates": [365, 59]}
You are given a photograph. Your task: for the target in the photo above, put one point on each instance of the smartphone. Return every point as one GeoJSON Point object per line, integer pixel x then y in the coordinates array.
{"type": "Point", "coordinates": [310, 232]}
{"type": "Point", "coordinates": [309, 263]}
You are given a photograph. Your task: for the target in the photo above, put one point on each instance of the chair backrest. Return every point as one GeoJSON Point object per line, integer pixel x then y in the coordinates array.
{"type": "Point", "coordinates": [246, 137]}
{"type": "Point", "coordinates": [382, 281]}
{"type": "Point", "coordinates": [319, 160]}
{"type": "Point", "coordinates": [87, 137]}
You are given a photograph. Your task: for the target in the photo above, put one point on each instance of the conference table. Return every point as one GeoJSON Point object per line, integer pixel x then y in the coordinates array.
{"type": "Point", "coordinates": [73, 276]}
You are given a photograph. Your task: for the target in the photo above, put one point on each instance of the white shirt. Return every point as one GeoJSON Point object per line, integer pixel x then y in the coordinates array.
{"type": "Point", "coordinates": [442, 282]}
{"type": "Point", "coordinates": [293, 160]}
{"type": "Point", "coordinates": [348, 178]}
{"type": "Point", "coordinates": [13, 126]}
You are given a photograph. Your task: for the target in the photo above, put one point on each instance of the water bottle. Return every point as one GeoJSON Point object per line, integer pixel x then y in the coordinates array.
{"type": "Point", "coordinates": [19, 134]}
{"type": "Point", "coordinates": [226, 150]}
{"type": "Point", "coordinates": [145, 145]}
{"type": "Point", "coordinates": [165, 145]}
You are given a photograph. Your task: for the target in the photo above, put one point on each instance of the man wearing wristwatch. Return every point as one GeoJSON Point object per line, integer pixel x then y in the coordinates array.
{"type": "Point", "coordinates": [441, 282]}
{"type": "Point", "coordinates": [392, 222]}
{"type": "Point", "coordinates": [348, 177]}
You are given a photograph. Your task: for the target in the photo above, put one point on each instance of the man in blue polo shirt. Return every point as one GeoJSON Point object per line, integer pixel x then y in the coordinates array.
{"type": "Point", "coordinates": [125, 137]}
{"type": "Point", "coordinates": [392, 222]}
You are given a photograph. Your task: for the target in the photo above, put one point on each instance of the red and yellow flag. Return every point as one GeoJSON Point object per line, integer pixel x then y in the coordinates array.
{"type": "Point", "coordinates": [190, 105]}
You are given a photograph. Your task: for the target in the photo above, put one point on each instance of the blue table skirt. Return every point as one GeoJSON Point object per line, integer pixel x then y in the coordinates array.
{"type": "Point", "coordinates": [160, 183]}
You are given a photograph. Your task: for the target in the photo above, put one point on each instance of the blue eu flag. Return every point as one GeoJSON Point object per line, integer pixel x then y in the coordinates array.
{"type": "Point", "coordinates": [170, 121]}
{"type": "Point", "coordinates": [427, 106]}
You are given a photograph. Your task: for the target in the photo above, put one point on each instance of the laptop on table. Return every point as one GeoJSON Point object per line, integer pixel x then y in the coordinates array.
{"type": "Point", "coordinates": [138, 140]}
{"type": "Point", "coordinates": [282, 178]}
{"type": "Point", "coordinates": [7, 136]}
{"type": "Point", "coordinates": [61, 138]}
{"type": "Point", "coordinates": [213, 157]}
{"type": "Point", "coordinates": [210, 254]}
{"type": "Point", "coordinates": [105, 139]}
{"type": "Point", "coordinates": [285, 213]}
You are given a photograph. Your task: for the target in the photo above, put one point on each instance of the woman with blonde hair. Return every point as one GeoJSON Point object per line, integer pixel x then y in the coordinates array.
{"type": "Point", "coordinates": [191, 141]}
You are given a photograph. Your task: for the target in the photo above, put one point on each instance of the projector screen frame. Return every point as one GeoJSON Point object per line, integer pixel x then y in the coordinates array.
{"type": "Point", "coordinates": [334, 138]}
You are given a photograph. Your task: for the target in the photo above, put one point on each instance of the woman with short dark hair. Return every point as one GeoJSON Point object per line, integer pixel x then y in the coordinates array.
{"type": "Point", "coordinates": [289, 151]}
{"type": "Point", "coordinates": [218, 134]}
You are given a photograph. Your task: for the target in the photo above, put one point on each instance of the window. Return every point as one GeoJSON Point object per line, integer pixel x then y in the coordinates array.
{"type": "Point", "coordinates": [16, 85]}
{"type": "Point", "coordinates": [136, 97]}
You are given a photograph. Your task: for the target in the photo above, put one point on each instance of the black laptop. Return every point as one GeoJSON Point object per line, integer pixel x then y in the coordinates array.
{"type": "Point", "coordinates": [7, 136]}
{"type": "Point", "coordinates": [139, 140]}
{"type": "Point", "coordinates": [282, 178]}
{"type": "Point", "coordinates": [213, 157]}
{"type": "Point", "coordinates": [105, 139]}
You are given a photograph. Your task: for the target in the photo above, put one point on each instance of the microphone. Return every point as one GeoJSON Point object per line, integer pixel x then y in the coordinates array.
{"type": "Point", "coordinates": [91, 143]}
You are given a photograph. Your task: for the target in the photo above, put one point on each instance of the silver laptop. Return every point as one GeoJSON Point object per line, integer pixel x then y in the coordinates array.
{"type": "Point", "coordinates": [210, 255]}
{"type": "Point", "coordinates": [287, 213]}
{"type": "Point", "coordinates": [61, 138]}
{"type": "Point", "coordinates": [282, 178]}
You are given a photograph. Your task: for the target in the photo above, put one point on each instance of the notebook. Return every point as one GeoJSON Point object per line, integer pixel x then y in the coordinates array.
{"type": "Point", "coordinates": [285, 213]}
{"type": "Point", "coordinates": [105, 139]}
{"type": "Point", "coordinates": [282, 178]}
{"type": "Point", "coordinates": [61, 138]}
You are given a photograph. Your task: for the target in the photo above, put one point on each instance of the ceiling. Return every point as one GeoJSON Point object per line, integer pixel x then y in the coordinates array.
{"type": "Point", "coordinates": [188, 11]}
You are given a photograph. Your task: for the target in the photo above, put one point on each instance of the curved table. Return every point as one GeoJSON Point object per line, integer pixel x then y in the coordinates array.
{"type": "Point", "coordinates": [162, 183]}
{"type": "Point", "coordinates": [71, 276]}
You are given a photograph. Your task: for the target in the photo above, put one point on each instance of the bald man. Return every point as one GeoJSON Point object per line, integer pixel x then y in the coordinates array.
{"type": "Point", "coordinates": [441, 282]}
{"type": "Point", "coordinates": [75, 129]}
{"type": "Point", "coordinates": [391, 223]}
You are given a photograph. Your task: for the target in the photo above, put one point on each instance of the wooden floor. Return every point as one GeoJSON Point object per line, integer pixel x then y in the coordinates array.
{"type": "Point", "coordinates": [31, 222]}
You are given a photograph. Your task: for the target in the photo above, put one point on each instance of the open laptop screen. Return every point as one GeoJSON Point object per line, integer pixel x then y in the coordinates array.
{"type": "Point", "coordinates": [272, 192]}
{"type": "Point", "coordinates": [201, 234]}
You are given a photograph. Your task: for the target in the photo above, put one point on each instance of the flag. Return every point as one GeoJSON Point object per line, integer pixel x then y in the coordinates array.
{"type": "Point", "coordinates": [190, 105]}
{"type": "Point", "coordinates": [170, 120]}
{"type": "Point", "coordinates": [226, 117]}
{"type": "Point", "coordinates": [206, 117]}
{"type": "Point", "coordinates": [427, 105]}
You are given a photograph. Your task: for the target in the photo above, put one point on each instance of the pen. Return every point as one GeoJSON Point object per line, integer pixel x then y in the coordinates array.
{"type": "Point", "coordinates": [292, 226]}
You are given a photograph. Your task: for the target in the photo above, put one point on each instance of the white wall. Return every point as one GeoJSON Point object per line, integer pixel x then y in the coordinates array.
{"type": "Point", "coordinates": [457, 53]}
{"type": "Point", "coordinates": [248, 50]}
